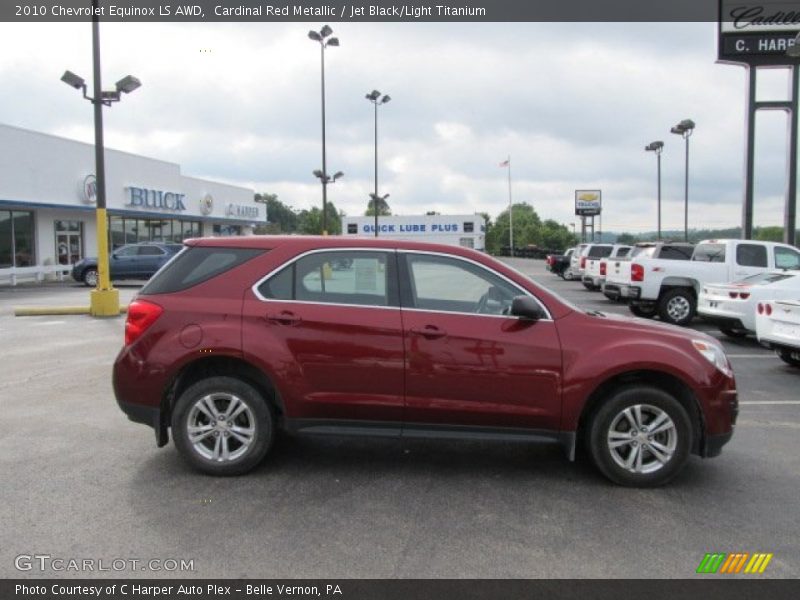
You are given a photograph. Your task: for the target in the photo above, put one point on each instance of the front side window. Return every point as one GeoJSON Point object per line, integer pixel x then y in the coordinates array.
{"type": "Point", "coordinates": [447, 284]}
{"type": "Point", "coordinates": [786, 258]}
{"type": "Point", "coordinates": [127, 251]}
{"type": "Point", "coordinates": [356, 277]}
{"type": "Point", "coordinates": [150, 251]}
{"type": "Point", "coordinates": [751, 255]}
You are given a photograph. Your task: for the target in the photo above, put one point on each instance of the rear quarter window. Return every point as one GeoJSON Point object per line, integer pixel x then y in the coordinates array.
{"type": "Point", "coordinates": [195, 265]}
{"type": "Point", "coordinates": [709, 253]}
{"type": "Point", "coordinates": [676, 252]}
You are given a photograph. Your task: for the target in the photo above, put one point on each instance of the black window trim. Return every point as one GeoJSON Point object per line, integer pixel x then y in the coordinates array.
{"type": "Point", "coordinates": [391, 256]}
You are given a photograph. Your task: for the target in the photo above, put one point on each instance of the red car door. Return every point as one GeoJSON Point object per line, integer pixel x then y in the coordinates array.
{"type": "Point", "coordinates": [468, 363]}
{"type": "Point", "coordinates": [331, 322]}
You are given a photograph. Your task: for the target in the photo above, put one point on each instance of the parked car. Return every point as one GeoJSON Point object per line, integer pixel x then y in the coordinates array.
{"type": "Point", "coordinates": [732, 307]}
{"type": "Point", "coordinates": [618, 272]}
{"type": "Point", "coordinates": [778, 327]}
{"type": "Point", "coordinates": [594, 274]}
{"type": "Point", "coordinates": [670, 288]}
{"type": "Point", "coordinates": [237, 337]}
{"type": "Point", "coordinates": [559, 263]}
{"type": "Point", "coordinates": [133, 261]}
{"type": "Point", "coordinates": [573, 270]}
{"type": "Point", "coordinates": [590, 252]}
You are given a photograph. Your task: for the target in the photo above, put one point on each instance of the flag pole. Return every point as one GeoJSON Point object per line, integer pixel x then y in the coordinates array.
{"type": "Point", "coordinates": [510, 211]}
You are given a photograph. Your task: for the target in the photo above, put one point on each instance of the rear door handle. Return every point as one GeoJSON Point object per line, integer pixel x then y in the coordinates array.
{"type": "Point", "coordinates": [285, 317]}
{"type": "Point", "coordinates": [429, 331]}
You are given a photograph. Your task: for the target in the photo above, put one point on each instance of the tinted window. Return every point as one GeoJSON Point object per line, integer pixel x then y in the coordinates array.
{"type": "Point", "coordinates": [469, 227]}
{"type": "Point", "coordinates": [623, 252]}
{"type": "Point", "coordinates": [751, 255]}
{"type": "Point", "coordinates": [336, 277]}
{"type": "Point", "coordinates": [352, 228]}
{"type": "Point", "coordinates": [643, 251]}
{"type": "Point", "coordinates": [600, 251]}
{"type": "Point", "coordinates": [452, 285]}
{"type": "Point", "coordinates": [195, 265]}
{"type": "Point", "coordinates": [127, 251]}
{"type": "Point", "coordinates": [676, 252]}
{"type": "Point", "coordinates": [709, 253]}
{"type": "Point", "coordinates": [786, 258]}
{"type": "Point", "coordinates": [150, 251]}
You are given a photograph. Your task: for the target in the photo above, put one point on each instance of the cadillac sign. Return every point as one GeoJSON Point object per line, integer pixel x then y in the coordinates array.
{"type": "Point", "coordinates": [758, 33]}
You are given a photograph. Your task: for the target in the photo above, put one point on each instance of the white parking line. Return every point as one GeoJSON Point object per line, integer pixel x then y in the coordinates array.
{"type": "Point", "coordinates": [770, 402]}
{"type": "Point", "coordinates": [50, 323]}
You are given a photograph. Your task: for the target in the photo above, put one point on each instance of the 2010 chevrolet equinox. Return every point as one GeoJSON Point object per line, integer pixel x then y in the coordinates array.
{"type": "Point", "coordinates": [236, 337]}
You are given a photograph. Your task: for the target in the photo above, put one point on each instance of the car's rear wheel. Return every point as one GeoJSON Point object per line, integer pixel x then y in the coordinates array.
{"type": "Point", "coordinates": [640, 437]}
{"type": "Point", "coordinates": [222, 426]}
{"type": "Point", "coordinates": [789, 357]}
{"type": "Point", "coordinates": [567, 275]}
{"type": "Point", "coordinates": [677, 306]}
{"type": "Point", "coordinates": [734, 333]}
{"type": "Point", "coordinates": [90, 277]}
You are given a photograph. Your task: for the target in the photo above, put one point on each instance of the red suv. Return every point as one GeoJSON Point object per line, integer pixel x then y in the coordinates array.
{"type": "Point", "coordinates": [236, 337]}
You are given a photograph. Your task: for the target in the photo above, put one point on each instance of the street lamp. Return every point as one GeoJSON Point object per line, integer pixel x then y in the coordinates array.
{"type": "Point", "coordinates": [104, 300]}
{"type": "Point", "coordinates": [685, 129]}
{"type": "Point", "coordinates": [375, 97]}
{"type": "Point", "coordinates": [322, 36]}
{"type": "Point", "coordinates": [658, 148]}
{"type": "Point", "coordinates": [325, 180]}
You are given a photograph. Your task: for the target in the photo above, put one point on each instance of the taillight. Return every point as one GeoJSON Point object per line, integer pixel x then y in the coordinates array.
{"type": "Point", "coordinates": [744, 295]}
{"type": "Point", "coordinates": [637, 272]}
{"type": "Point", "coordinates": [760, 308]}
{"type": "Point", "coordinates": [602, 268]}
{"type": "Point", "coordinates": [583, 262]}
{"type": "Point", "coordinates": [141, 314]}
{"type": "Point", "coordinates": [733, 295]}
{"type": "Point", "coordinates": [768, 309]}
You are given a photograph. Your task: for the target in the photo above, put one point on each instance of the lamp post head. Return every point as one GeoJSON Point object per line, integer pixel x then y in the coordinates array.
{"type": "Point", "coordinates": [318, 173]}
{"type": "Point", "coordinates": [656, 147]}
{"type": "Point", "coordinates": [332, 42]}
{"type": "Point", "coordinates": [337, 175]}
{"type": "Point", "coordinates": [73, 80]}
{"type": "Point", "coordinates": [314, 36]}
{"type": "Point", "coordinates": [325, 31]}
{"type": "Point", "coordinates": [128, 84]}
{"type": "Point", "coordinates": [385, 99]}
{"type": "Point", "coordinates": [373, 95]}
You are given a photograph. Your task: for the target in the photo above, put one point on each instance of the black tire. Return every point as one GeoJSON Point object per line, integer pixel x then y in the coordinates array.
{"type": "Point", "coordinates": [89, 277]}
{"type": "Point", "coordinates": [608, 415]}
{"type": "Point", "coordinates": [677, 306]}
{"type": "Point", "coordinates": [644, 312]}
{"type": "Point", "coordinates": [588, 286]}
{"type": "Point", "coordinates": [790, 357]}
{"type": "Point", "coordinates": [734, 333]}
{"type": "Point", "coordinates": [568, 275]}
{"type": "Point", "coordinates": [258, 411]}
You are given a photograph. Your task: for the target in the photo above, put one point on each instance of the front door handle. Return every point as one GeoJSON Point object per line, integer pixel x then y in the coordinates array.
{"type": "Point", "coordinates": [429, 331]}
{"type": "Point", "coordinates": [285, 317]}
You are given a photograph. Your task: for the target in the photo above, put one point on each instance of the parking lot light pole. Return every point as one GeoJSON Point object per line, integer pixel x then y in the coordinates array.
{"type": "Point", "coordinates": [685, 129]}
{"type": "Point", "coordinates": [322, 36]}
{"type": "Point", "coordinates": [658, 148]}
{"type": "Point", "coordinates": [375, 97]}
{"type": "Point", "coordinates": [104, 300]}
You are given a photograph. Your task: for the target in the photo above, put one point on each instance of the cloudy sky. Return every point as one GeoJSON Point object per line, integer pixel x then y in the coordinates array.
{"type": "Point", "coordinates": [572, 104]}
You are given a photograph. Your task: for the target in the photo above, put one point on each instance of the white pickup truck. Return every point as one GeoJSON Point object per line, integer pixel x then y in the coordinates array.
{"type": "Point", "coordinates": [618, 272]}
{"type": "Point", "coordinates": [670, 288]}
{"type": "Point", "coordinates": [595, 272]}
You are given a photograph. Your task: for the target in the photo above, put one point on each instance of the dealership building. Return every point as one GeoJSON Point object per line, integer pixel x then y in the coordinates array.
{"type": "Point", "coordinates": [48, 195]}
{"type": "Point", "coordinates": [456, 230]}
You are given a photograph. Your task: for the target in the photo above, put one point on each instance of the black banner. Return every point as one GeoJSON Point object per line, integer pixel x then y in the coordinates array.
{"type": "Point", "coordinates": [362, 10]}
{"type": "Point", "coordinates": [711, 588]}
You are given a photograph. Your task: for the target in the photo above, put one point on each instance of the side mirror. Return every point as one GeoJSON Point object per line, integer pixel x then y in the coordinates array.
{"type": "Point", "coordinates": [526, 307]}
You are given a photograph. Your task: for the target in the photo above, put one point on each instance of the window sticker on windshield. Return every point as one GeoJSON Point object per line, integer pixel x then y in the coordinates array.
{"type": "Point", "coordinates": [366, 274]}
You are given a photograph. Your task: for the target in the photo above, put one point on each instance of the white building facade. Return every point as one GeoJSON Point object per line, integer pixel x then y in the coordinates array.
{"type": "Point", "coordinates": [48, 195]}
{"type": "Point", "coordinates": [456, 230]}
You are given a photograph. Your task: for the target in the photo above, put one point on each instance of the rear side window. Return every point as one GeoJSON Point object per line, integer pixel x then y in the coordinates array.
{"type": "Point", "coordinates": [600, 251]}
{"type": "Point", "coordinates": [751, 255]}
{"type": "Point", "coordinates": [150, 251]}
{"type": "Point", "coordinates": [195, 265]}
{"type": "Point", "coordinates": [622, 252]}
{"type": "Point", "coordinates": [786, 258]}
{"type": "Point", "coordinates": [643, 252]}
{"type": "Point", "coordinates": [709, 253]}
{"type": "Point", "coordinates": [676, 252]}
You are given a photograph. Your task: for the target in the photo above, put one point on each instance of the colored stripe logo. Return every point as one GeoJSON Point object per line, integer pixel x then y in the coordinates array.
{"type": "Point", "coordinates": [734, 563]}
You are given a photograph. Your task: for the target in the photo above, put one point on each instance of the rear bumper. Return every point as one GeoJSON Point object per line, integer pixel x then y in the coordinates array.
{"type": "Point", "coordinates": [615, 290]}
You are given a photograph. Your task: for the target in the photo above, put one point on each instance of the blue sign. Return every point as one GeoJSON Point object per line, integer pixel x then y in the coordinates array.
{"type": "Point", "coordinates": [159, 199]}
{"type": "Point", "coordinates": [412, 228]}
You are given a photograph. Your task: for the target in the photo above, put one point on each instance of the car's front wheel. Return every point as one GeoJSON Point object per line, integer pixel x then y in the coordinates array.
{"type": "Point", "coordinates": [222, 426]}
{"type": "Point", "coordinates": [677, 306]}
{"type": "Point", "coordinates": [640, 437]}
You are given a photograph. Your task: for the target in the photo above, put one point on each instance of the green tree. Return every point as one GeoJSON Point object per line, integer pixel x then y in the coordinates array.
{"type": "Point", "coordinates": [282, 219]}
{"type": "Point", "coordinates": [383, 208]}
{"type": "Point", "coordinates": [527, 225]}
{"type": "Point", "coordinates": [310, 221]}
{"type": "Point", "coordinates": [768, 234]}
{"type": "Point", "coordinates": [627, 238]}
{"type": "Point", "coordinates": [555, 236]}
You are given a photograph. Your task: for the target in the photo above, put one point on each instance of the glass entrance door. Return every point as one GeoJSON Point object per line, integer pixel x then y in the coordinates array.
{"type": "Point", "coordinates": [69, 242]}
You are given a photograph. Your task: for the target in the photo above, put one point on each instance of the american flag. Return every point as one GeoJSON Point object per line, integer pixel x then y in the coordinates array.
{"type": "Point", "coordinates": [505, 163]}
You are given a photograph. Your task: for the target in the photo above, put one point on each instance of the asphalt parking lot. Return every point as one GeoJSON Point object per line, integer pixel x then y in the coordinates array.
{"type": "Point", "coordinates": [80, 481]}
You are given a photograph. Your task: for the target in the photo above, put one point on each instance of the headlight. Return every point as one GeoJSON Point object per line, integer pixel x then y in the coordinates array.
{"type": "Point", "coordinates": [713, 354]}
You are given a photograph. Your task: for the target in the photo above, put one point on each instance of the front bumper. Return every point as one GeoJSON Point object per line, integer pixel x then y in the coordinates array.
{"type": "Point", "coordinates": [724, 322]}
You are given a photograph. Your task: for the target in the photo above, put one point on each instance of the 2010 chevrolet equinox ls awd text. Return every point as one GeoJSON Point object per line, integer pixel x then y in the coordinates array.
{"type": "Point", "coordinates": [236, 337]}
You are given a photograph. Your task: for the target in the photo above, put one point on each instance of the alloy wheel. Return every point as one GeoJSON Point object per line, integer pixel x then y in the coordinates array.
{"type": "Point", "coordinates": [642, 438]}
{"type": "Point", "coordinates": [220, 427]}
